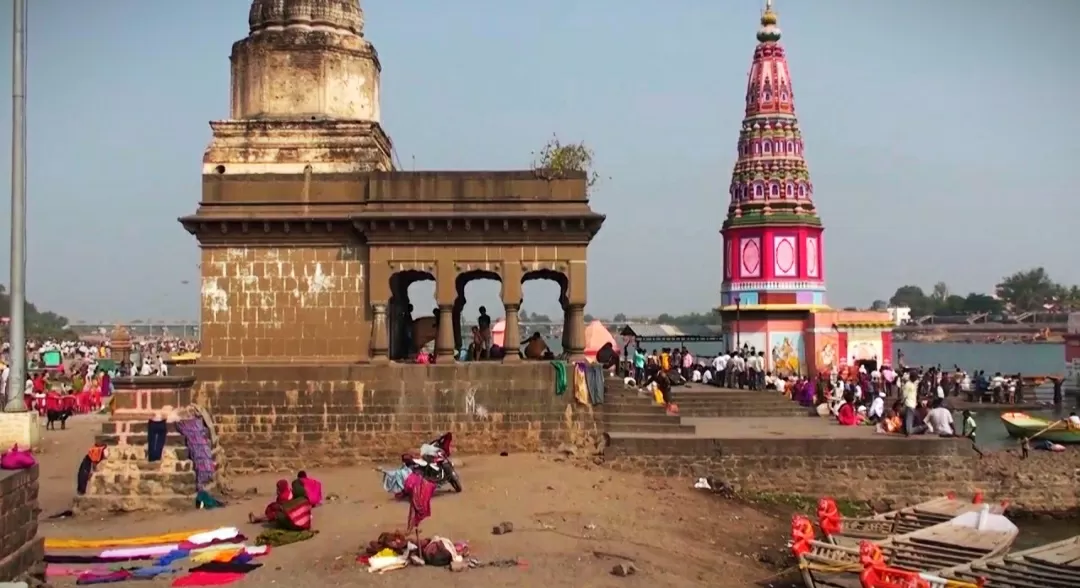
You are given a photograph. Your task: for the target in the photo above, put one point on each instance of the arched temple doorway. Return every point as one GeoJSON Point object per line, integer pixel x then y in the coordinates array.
{"type": "Point", "coordinates": [485, 289]}
{"type": "Point", "coordinates": [408, 323]}
{"type": "Point", "coordinates": [546, 287]}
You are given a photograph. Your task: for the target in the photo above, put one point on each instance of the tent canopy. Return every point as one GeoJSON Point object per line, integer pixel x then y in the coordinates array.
{"type": "Point", "coordinates": [596, 336]}
{"type": "Point", "coordinates": [498, 332]}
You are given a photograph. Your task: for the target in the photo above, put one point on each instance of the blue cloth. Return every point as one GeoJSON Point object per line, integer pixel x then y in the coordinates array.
{"type": "Point", "coordinates": [594, 382]}
{"type": "Point", "coordinates": [151, 571]}
{"type": "Point", "coordinates": [394, 480]}
{"type": "Point", "coordinates": [172, 556]}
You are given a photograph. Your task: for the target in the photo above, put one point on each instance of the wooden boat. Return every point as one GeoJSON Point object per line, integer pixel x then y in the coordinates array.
{"type": "Point", "coordinates": [1054, 565]}
{"type": "Point", "coordinates": [1021, 426]}
{"type": "Point", "coordinates": [849, 531]}
{"type": "Point", "coordinates": [970, 537]}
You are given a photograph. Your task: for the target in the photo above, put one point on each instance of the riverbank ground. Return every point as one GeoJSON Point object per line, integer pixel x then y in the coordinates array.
{"type": "Point", "coordinates": [573, 522]}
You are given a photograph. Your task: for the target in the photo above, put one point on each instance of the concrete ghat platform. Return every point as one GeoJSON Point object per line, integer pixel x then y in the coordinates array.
{"type": "Point", "coordinates": [815, 457]}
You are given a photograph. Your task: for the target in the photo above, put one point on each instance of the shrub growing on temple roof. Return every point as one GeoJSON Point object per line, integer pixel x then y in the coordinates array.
{"type": "Point", "coordinates": [557, 159]}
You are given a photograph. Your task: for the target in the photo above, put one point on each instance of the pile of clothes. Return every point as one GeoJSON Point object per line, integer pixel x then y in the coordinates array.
{"type": "Point", "coordinates": [393, 551]}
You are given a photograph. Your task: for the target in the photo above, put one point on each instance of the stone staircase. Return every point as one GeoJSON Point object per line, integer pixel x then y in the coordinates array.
{"type": "Point", "coordinates": [627, 410]}
{"type": "Point", "coordinates": [126, 481]}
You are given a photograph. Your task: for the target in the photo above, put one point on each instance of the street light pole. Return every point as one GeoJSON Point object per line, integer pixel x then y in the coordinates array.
{"type": "Point", "coordinates": [17, 373]}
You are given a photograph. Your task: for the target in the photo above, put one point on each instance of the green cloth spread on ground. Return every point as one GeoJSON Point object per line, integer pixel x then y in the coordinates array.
{"type": "Point", "coordinates": [561, 381]}
{"type": "Point", "coordinates": [279, 537]}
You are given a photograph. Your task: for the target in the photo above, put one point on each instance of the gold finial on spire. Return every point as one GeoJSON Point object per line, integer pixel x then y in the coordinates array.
{"type": "Point", "coordinates": [768, 31]}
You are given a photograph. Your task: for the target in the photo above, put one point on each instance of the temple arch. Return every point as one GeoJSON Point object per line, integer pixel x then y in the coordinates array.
{"type": "Point", "coordinates": [474, 289]}
{"type": "Point", "coordinates": [541, 288]}
{"type": "Point", "coordinates": [411, 313]}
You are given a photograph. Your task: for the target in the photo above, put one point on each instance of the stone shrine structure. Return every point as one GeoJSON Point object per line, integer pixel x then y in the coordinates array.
{"type": "Point", "coordinates": [310, 238]}
{"type": "Point", "coordinates": [773, 292]}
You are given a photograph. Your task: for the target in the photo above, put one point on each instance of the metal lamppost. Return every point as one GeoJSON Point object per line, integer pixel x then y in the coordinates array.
{"type": "Point", "coordinates": [738, 334]}
{"type": "Point", "coordinates": [17, 332]}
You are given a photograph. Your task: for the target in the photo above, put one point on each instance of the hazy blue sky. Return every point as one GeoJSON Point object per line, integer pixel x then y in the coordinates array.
{"type": "Point", "coordinates": [940, 135]}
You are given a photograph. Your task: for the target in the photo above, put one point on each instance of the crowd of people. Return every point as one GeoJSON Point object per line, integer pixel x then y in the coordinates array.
{"type": "Point", "coordinates": [74, 367]}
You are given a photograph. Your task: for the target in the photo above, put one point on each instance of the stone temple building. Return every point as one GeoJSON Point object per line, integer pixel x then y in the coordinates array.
{"type": "Point", "coordinates": [310, 237]}
{"type": "Point", "coordinates": [773, 290]}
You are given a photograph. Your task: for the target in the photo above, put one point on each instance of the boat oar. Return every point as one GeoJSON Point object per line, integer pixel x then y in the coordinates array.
{"type": "Point", "coordinates": [1047, 428]}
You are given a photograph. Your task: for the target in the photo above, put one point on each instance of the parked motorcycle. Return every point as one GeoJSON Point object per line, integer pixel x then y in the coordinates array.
{"type": "Point", "coordinates": [435, 463]}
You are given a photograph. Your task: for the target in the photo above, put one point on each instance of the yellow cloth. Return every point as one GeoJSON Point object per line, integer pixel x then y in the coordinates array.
{"type": "Point", "coordinates": [222, 555]}
{"type": "Point", "coordinates": [57, 544]}
{"type": "Point", "coordinates": [581, 388]}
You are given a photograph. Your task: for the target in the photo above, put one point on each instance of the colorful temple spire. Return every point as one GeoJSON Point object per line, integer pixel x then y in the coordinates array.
{"type": "Point", "coordinates": [773, 254]}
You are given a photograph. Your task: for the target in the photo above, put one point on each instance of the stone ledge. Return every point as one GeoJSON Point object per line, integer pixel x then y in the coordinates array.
{"type": "Point", "coordinates": [26, 560]}
{"type": "Point", "coordinates": [22, 428]}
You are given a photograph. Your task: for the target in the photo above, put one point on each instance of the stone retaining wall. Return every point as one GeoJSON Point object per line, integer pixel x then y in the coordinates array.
{"type": "Point", "coordinates": [287, 417]}
{"type": "Point", "coordinates": [22, 552]}
{"type": "Point", "coordinates": [883, 471]}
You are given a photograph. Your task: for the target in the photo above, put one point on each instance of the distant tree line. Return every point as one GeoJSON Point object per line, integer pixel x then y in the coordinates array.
{"type": "Point", "coordinates": [39, 324]}
{"type": "Point", "coordinates": [1029, 290]}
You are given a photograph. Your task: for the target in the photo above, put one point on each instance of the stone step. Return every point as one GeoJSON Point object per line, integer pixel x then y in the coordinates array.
{"type": "Point", "coordinates": [680, 396]}
{"type": "Point", "coordinates": [656, 417]}
{"type": "Point", "coordinates": [102, 503]}
{"type": "Point", "coordinates": [646, 407]}
{"type": "Point", "coordinates": [650, 428]}
{"type": "Point", "coordinates": [171, 440]}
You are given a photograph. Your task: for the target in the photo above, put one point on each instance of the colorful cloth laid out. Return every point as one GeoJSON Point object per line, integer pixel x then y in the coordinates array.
{"type": "Point", "coordinates": [197, 439]}
{"type": "Point", "coordinates": [89, 559]}
{"type": "Point", "coordinates": [218, 567]}
{"type": "Point", "coordinates": [207, 538]}
{"type": "Point", "coordinates": [280, 537]}
{"type": "Point", "coordinates": [60, 571]}
{"type": "Point", "coordinates": [148, 551]}
{"type": "Point", "coordinates": [151, 572]}
{"type": "Point", "coordinates": [420, 491]}
{"type": "Point", "coordinates": [103, 578]}
{"type": "Point", "coordinates": [208, 579]}
{"type": "Point", "coordinates": [57, 544]}
{"type": "Point", "coordinates": [204, 501]}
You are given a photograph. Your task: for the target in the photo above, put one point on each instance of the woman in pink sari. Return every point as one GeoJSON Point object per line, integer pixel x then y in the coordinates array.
{"type": "Point", "coordinates": [273, 510]}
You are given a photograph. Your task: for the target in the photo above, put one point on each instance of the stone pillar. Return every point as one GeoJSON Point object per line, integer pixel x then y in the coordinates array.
{"type": "Point", "coordinates": [444, 339]}
{"type": "Point", "coordinates": [566, 329]}
{"type": "Point", "coordinates": [380, 336]}
{"type": "Point", "coordinates": [512, 334]}
{"type": "Point", "coordinates": [575, 316]}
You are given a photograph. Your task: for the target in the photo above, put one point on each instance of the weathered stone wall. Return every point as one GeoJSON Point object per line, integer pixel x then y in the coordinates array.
{"type": "Point", "coordinates": [288, 417]}
{"type": "Point", "coordinates": [21, 550]}
{"type": "Point", "coordinates": [283, 304]}
{"type": "Point", "coordinates": [887, 471]}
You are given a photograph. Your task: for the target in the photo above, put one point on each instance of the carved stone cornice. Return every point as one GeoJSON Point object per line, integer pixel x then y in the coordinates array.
{"type": "Point", "coordinates": [241, 231]}
{"type": "Point", "coordinates": [488, 228]}
{"type": "Point", "coordinates": [394, 229]}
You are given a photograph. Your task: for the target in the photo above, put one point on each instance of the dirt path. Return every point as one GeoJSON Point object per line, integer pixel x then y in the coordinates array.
{"type": "Point", "coordinates": [561, 512]}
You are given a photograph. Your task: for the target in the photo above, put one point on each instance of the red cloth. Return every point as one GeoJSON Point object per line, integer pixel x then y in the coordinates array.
{"type": "Point", "coordinates": [208, 579]}
{"type": "Point", "coordinates": [846, 415]}
{"type": "Point", "coordinates": [420, 491]}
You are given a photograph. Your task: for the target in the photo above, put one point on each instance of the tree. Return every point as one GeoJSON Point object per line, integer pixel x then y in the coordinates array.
{"type": "Point", "coordinates": [940, 292]}
{"type": "Point", "coordinates": [619, 318]}
{"type": "Point", "coordinates": [1028, 290]}
{"type": "Point", "coordinates": [39, 324]}
{"type": "Point", "coordinates": [557, 160]}
{"type": "Point", "coordinates": [914, 298]}
{"type": "Point", "coordinates": [879, 305]}
{"type": "Point", "coordinates": [976, 303]}
{"type": "Point", "coordinates": [589, 318]}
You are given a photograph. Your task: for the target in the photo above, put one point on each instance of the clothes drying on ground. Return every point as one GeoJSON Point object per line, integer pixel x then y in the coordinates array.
{"type": "Point", "coordinates": [148, 551]}
{"type": "Point", "coordinates": [280, 537]}
{"type": "Point", "coordinates": [208, 579]}
{"type": "Point", "coordinates": [197, 439]}
{"type": "Point", "coordinates": [105, 578]}
{"type": "Point", "coordinates": [218, 567]}
{"type": "Point", "coordinates": [58, 544]}
{"type": "Point", "coordinates": [89, 559]}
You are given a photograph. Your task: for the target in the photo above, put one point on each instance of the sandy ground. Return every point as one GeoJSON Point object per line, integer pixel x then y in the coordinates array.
{"type": "Point", "coordinates": [572, 523]}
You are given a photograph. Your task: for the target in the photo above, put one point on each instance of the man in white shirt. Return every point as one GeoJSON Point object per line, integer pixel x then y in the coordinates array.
{"type": "Point", "coordinates": [940, 419]}
{"type": "Point", "coordinates": [909, 392]}
{"type": "Point", "coordinates": [738, 368]}
{"type": "Point", "coordinates": [720, 366]}
{"type": "Point", "coordinates": [877, 408]}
